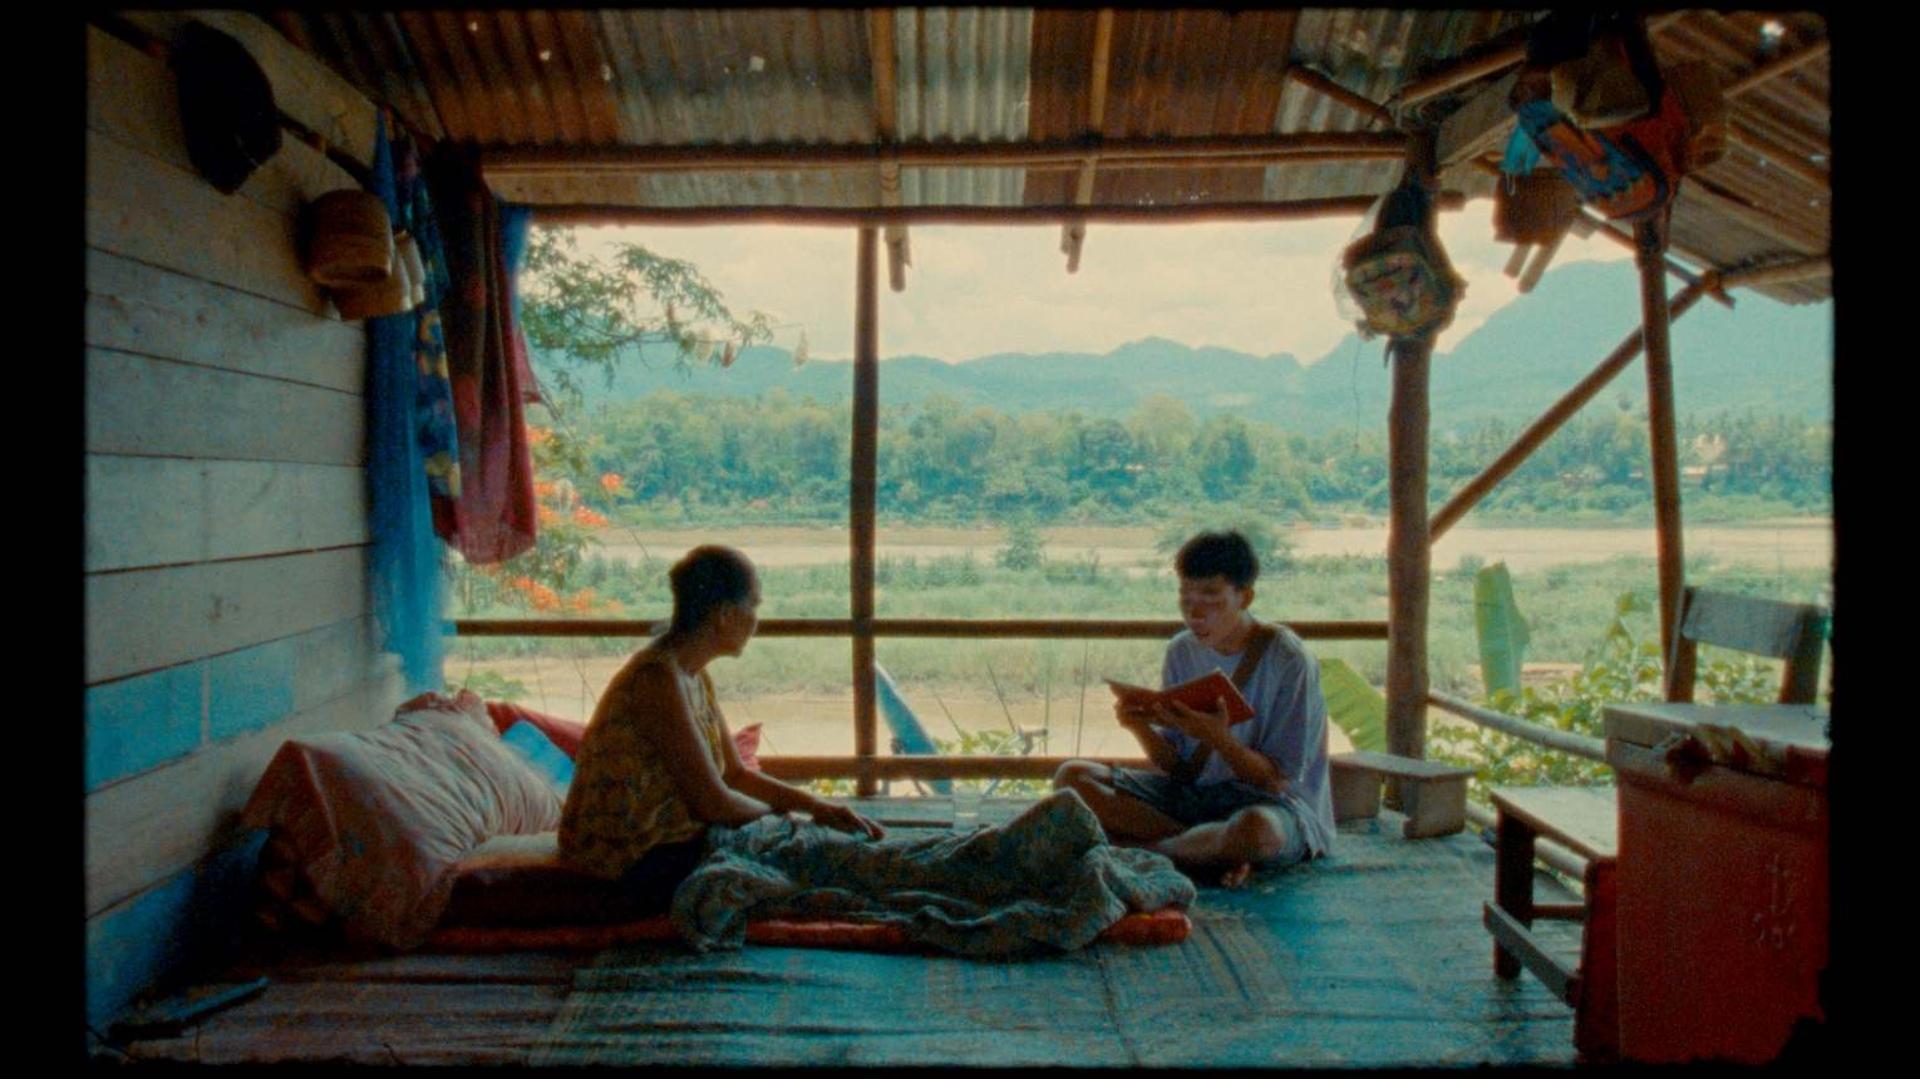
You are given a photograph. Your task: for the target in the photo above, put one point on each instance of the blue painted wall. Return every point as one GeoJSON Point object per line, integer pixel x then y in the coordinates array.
{"type": "Point", "coordinates": [171, 931]}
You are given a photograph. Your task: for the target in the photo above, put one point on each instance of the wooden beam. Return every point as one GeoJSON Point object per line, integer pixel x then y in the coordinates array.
{"type": "Point", "coordinates": [1326, 87]}
{"type": "Point", "coordinates": [1662, 442]}
{"type": "Point", "coordinates": [1146, 629]}
{"type": "Point", "coordinates": [861, 497]}
{"type": "Point", "coordinates": [1301, 210]}
{"type": "Point", "coordinates": [520, 160]}
{"type": "Point", "coordinates": [1775, 68]}
{"type": "Point", "coordinates": [1551, 420]}
{"type": "Point", "coordinates": [1073, 234]}
{"type": "Point", "coordinates": [1761, 276]}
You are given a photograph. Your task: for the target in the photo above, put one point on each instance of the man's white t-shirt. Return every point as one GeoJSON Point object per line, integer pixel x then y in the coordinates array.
{"type": "Point", "coordinates": [1289, 724]}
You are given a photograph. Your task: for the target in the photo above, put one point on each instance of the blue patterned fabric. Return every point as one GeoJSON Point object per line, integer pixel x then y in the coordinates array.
{"type": "Point", "coordinates": [1046, 881]}
{"type": "Point", "coordinates": [405, 562]}
{"type": "Point", "coordinates": [435, 427]}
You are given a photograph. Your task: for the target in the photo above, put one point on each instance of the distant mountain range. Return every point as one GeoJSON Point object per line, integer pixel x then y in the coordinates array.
{"type": "Point", "coordinates": [1765, 356]}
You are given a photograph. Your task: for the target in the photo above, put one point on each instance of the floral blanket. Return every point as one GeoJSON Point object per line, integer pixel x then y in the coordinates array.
{"type": "Point", "coordinates": [1046, 881]}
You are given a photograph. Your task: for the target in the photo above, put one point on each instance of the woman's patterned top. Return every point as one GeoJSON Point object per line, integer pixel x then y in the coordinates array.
{"type": "Point", "coordinates": [623, 802]}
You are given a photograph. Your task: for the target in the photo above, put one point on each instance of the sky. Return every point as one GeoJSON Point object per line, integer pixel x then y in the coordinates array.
{"type": "Point", "coordinates": [1259, 288]}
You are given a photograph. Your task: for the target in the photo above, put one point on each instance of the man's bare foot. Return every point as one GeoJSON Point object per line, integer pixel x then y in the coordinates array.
{"type": "Point", "coordinates": [1236, 876]}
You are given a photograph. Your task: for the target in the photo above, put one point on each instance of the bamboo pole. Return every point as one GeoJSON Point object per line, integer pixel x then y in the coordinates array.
{"type": "Point", "coordinates": [1149, 213]}
{"type": "Point", "coordinates": [1551, 420]}
{"type": "Point", "coordinates": [1579, 745]}
{"type": "Point", "coordinates": [938, 628]}
{"type": "Point", "coordinates": [929, 767]}
{"type": "Point", "coordinates": [866, 415]}
{"type": "Point", "coordinates": [519, 160]}
{"type": "Point", "coordinates": [1664, 468]}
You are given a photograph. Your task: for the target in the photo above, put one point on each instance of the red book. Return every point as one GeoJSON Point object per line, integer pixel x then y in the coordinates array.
{"type": "Point", "coordinates": [1201, 694]}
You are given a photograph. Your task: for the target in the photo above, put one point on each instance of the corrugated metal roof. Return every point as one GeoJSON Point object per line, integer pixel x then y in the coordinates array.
{"type": "Point", "coordinates": [746, 77]}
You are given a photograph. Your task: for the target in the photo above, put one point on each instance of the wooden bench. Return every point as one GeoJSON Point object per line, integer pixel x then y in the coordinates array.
{"type": "Point", "coordinates": [1585, 821]}
{"type": "Point", "coordinates": [1433, 795]}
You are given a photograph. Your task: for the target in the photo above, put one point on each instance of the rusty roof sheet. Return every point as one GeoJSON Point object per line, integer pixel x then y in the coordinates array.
{"type": "Point", "coordinates": [641, 78]}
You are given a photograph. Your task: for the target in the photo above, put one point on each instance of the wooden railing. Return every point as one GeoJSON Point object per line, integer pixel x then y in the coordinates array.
{"type": "Point", "coordinates": [871, 767]}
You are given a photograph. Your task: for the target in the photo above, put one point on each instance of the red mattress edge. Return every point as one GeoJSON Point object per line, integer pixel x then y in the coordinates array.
{"type": "Point", "coordinates": [1169, 925]}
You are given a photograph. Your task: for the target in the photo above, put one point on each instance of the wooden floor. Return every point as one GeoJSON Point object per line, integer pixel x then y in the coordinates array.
{"type": "Point", "coordinates": [1373, 957]}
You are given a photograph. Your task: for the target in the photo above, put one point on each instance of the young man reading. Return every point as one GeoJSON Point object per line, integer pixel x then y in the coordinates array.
{"type": "Point", "coordinates": [1222, 798]}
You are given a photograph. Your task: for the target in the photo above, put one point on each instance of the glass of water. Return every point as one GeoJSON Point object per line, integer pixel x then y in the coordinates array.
{"type": "Point", "coordinates": [966, 805]}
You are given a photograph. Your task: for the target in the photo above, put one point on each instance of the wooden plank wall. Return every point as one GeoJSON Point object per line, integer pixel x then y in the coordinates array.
{"type": "Point", "coordinates": [226, 529]}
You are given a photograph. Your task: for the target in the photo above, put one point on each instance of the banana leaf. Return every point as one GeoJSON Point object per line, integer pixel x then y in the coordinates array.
{"type": "Point", "coordinates": [1501, 629]}
{"type": "Point", "coordinates": [1353, 705]}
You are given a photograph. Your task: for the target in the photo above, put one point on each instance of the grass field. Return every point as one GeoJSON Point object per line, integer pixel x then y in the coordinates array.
{"type": "Point", "coordinates": [1566, 581]}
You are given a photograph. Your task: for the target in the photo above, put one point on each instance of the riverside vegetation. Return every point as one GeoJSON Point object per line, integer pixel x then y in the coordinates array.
{"type": "Point", "coordinates": [726, 464]}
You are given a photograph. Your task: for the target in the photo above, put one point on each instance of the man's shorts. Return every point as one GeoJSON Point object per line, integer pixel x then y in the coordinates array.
{"type": "Point", "coordinates": [1191, 804]}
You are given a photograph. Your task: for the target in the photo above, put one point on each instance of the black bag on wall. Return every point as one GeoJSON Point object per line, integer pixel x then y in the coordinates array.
{"type": "Point", "coordinates": [226, 107]}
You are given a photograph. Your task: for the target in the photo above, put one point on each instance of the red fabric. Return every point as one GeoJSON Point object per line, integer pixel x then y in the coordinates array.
{"type": "Point", "coordinates": [1168, 926]}
{"type": "Point", "coordinates": [494, 516]}
{"type": "Point", "coordinates": [569, 733]}
{"type": "Point", "coordinates": [565, 733]}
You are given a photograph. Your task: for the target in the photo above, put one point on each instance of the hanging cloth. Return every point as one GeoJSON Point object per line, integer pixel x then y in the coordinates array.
{"type": "Point", "coordinates": [493, 517]}
{"type": "Point", "coordinates": [435, 427]}
{"type": "Point", "coordinates": [405, 555]}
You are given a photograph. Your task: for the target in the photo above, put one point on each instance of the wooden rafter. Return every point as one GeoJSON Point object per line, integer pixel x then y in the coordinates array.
{"type": "Point", "coordinates": [1073, 233]}
{"type": "Point", "coordinates": [881, 44]}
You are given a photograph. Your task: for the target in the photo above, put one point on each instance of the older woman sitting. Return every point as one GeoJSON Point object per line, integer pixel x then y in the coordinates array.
{"type": "Point", "coordinates": [658, 765]}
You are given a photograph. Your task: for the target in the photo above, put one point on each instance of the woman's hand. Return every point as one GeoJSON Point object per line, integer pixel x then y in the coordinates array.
{"type": "Point", "coordinates": [842, 819]}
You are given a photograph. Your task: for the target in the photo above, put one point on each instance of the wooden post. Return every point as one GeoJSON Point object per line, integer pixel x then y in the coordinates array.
{"type": "Point", "coordinates": [866, 416]}
{"type": "Point", "coordinates": [1664, 468]}
{"type": "Point", "coordinates": [1409, 560]}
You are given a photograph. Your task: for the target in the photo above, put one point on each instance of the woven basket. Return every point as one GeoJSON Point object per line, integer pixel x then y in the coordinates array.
{"type": "Point", "coordinates": [351, 242]}
{"type": "Point", "coordinates": [387, 296]}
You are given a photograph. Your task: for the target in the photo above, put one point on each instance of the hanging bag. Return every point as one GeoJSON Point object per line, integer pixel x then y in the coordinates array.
{"type": "Point", "coordinates": [1397, 274]}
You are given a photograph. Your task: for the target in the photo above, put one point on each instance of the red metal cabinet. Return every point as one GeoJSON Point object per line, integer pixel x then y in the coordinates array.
{"type": "Point", "coordinates": [1722, 878]}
